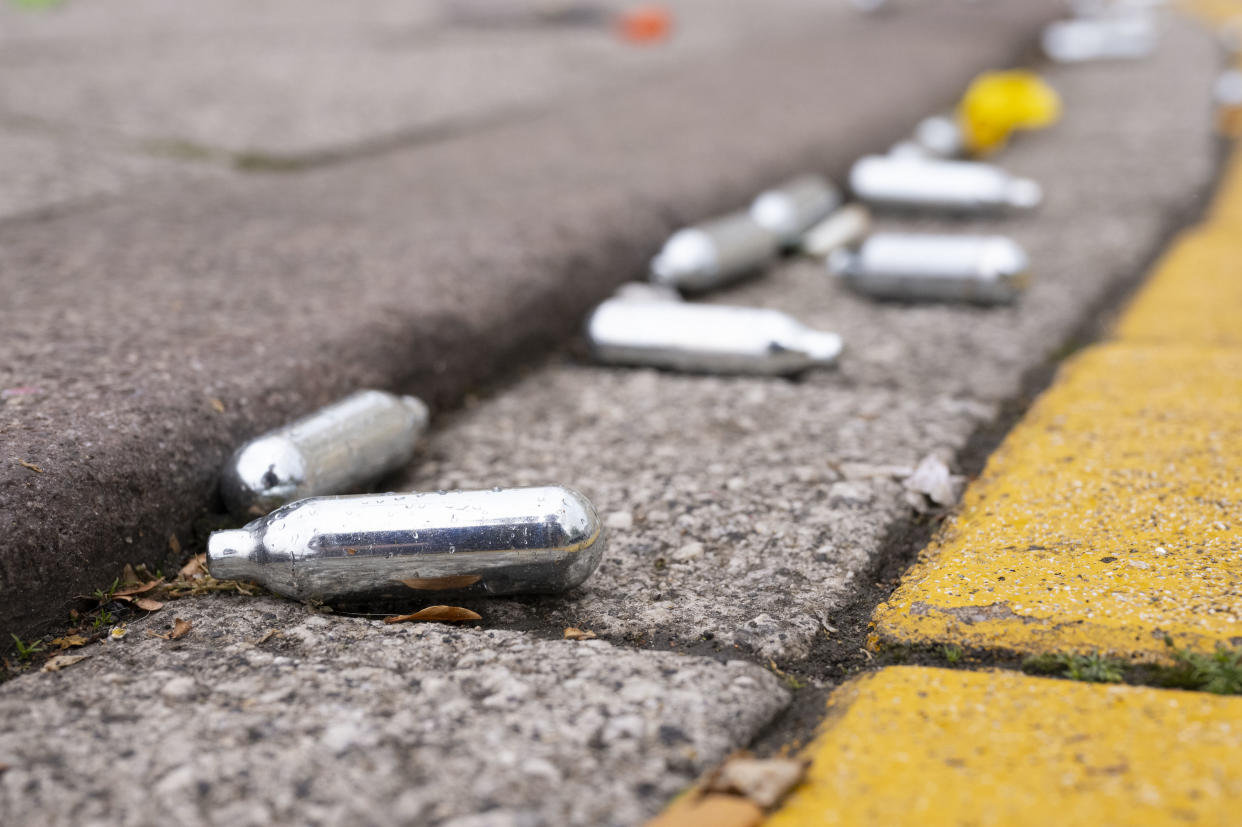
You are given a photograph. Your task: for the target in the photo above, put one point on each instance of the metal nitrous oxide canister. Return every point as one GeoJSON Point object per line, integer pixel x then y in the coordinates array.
{"type": "Point", "coordinates": [707, 338]}
{"type": "Point", "coordinates": [379, 547]}
{"type": "Point", "coordinates": [336, 449]}
{"type": "Point", "coordinates": [940, 136]}
{"type": "Point", "coordinates": [714, 253]}
{"type": "Point", "coordinates": [976, 269]}
{"type": "Point", "coordinates": [1119, 36]}
{"type": "Point", "coordinates": [795, 206]}
{"type": "Point", "coordinates": [845, 227]}
{"type": "Point", "coordinates": [931, 184]}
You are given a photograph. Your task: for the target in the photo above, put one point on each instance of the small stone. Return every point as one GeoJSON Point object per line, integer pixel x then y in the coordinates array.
{"type": "Point", "coordinates": [763, 781]}
{"type": "Point", "coordinates": [180, 689]}
{"type": "Point", "coordinates": [620, 520]}
{"type": "Point", "coordinates": [689, 551]}
{"type": "Point", "coordinates": [853, 492]}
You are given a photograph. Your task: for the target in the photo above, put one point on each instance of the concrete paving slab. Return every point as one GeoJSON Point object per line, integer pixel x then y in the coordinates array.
{"type": "Point", "coordinates": [155, 334]}
{"type": "Point", "coordinates": [335, 720]}
{"type": "Point", "coordinates": [47, 173]}
{"type": "Point", "coordinates": [745, 511]}
{"type": "Point", "coordinates": [916, 746]}
{"type": "Point", "coordinates": [289, 79]}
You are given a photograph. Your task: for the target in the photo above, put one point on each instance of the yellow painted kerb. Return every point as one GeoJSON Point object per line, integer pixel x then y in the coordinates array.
{"type": "Point", "coordinates": [930, 747]}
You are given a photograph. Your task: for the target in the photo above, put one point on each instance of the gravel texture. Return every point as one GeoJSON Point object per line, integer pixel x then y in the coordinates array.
{"type": "Point", "coordinates": [337, 720]}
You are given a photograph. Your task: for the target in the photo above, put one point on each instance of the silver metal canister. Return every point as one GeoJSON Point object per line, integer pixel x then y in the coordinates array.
{"type": "Point", "coordinates": [336, 449]}
{"type": "Point", "coordinates": [931, 184]}
{"type": "Point", "coordinates": [381, 547]}
{"type": "Point", "coordinates": [940, 136]}
{"type": "Point", "coordinates": [1128, 35]}
{"type": "Point", "coordinates": [714, 253]}
{"type": "Point", "coordinates": [792, 208]}
{"type": "Point", "coordinates": [707, 338]}
{"type": "Point", "coordinates": [845, 227]}
{"type": "Point", "coordinates": [977, 269]}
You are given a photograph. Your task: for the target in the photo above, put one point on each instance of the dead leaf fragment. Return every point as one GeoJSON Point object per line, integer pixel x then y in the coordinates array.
{"type": "Point", "coordinates": [216, 405]}
{"type": "Point", "coordinates": [138, 589]}
{"type": "Point", "coordinates": [61, 661]}
{"type": "Point", "coordinates": [574, 633]}
{"type": "Point", "coordinates": [713, 809]}
{"type": "Point", "coordinates": [459, 581]}
{"type": "Point", "coordinates": [437, 614]}
{"type": "Point", "coordinates": [69, 640]}
{"type": "Point", "coordinates": [147, 604]}
{"type": "Point", "coordinates": [179, 630]}
{"type": "Point", "coordinates": [266, 636]}
{"type": "Point", "coordinates": [174, 545]}
{"type": "Point", "coordinates": [29, 465]}
{"type": "Point", "coordinates": [764, 781]}
{"type": "Point", "coordinates": [197, 567]}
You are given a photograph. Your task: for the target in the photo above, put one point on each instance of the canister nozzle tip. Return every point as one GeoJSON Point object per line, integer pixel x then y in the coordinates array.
{"type": "Point", "coordinates": [822, 346]}
{"type": "Point", "coordinates": [1024, 193]}
{"type": "Point", "coordinates": [230, 554]}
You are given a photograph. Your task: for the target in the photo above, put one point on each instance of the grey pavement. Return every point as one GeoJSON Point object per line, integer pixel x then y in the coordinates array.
{"type": "Point", "coordinates": [156, 330]}
{"type": "Point", "coordinates": [744, 514]}
{"type": "Point", "coordinates": [350, 721]}
{"type": "Point", "coordinates": [100, 99]}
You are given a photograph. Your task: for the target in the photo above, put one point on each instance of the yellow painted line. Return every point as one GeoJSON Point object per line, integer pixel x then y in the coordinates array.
{"type": "Point", "coordinates": [1195, 294]}
{"type": "Point", "coordinates": [929, 747]}
{"type": "Point", "coordinates": [1110, 518]}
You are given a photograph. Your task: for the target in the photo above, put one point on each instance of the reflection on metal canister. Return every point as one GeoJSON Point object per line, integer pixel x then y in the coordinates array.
{"type": "Point", "coordinates": [950, 186]}
{"type": "Point", "coordinates": [714, 253]}
{"type": "Point", "coordinates": [845, 227]}
{"type": "Point", "coordinates": [907, 267]}
{"type": "Point", "coordinates": [795, 206]}
{"type": "Point", "coordinates": [380, 547]}
{"type": "Point", "coordinates": [707, 338]}
{"type": "Point", "coordinates": [336, 449]}
{"type": "Point", "coordinates": [1122, 36]}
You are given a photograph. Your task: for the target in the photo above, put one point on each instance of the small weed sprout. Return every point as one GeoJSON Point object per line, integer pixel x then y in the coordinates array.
{"type": "Point", "coordinates": [1219, 672]}
{"type": "Point", "coordinates": [1092, 668]}
{"type": "Point", "coordinates": [953, 654]}
{"type": "Point", "coordinates": [25, 650]}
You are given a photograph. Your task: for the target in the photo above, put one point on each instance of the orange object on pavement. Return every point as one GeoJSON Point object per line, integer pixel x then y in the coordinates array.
{"type": "Point", "coordinates": [645, 24]}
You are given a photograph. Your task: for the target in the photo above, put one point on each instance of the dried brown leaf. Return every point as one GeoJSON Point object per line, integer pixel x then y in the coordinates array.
{"type": "Point", "coordinates": [268, 635]}
{"type": "Point", "coordinates": [197, 567]}
{"type": "Point", "coordinates": [574, 633]}
{"type": "Point", "coordinates": [764, 781]}
{"type": "Point", "coordinates": [174, 545]}
{"type": "Point", "coordinates": [147, 604]}
{"type": "Point", "coordinates": [138, 589]}
{"type": "Point", "coordinates": [129, 577]}
{"type": "Point", "coordinates": [459, 581]}
{"type": "Point", "coordinates": [714, 809]}
{"type": "Point", "coordinates": [61, 661]}
{"type": "Point", "coordinates": [29, 465]}
{"type": "Point", "coordinates": [69, 640]}
{"type": "Point", "coordinates": [216, 405]}
{"type": "Point", "coordinates": [180, 629]}
{"type": "Point", "coordinates": [437, 614]}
